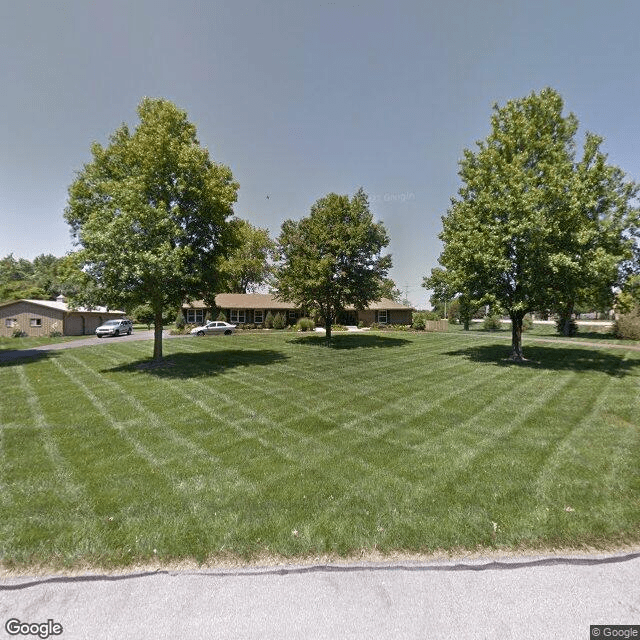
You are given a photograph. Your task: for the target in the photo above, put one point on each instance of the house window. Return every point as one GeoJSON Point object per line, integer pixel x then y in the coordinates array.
{"type": "Point", "coordinates": [35, 322]}
{"type": "Point", "coordinates": [382, 317]}
{"type": "Point", "coordinates": [293, 314]}
{"type": "Point", "coordinates": [237, 315]}
{"type": "Point", "coordinates": [258, 316]}
{"type": "Point", "coordinates": [10, 322]}
{"type": "Point", "coordinates": [195, 316]}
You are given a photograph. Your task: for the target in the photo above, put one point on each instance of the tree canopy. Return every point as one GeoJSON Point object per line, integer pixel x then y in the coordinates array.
{"type": "Point", "coordinates": [43, 278]}
{"type": "Point", "coordinates": [249, 265]}
{"type": "Point", "coordinates": [333, 258]}
{"type": "Point", "coordinates": [150, 214]}
{"type": "Point", "coordinates": [531, 227]}
{"type": "Point", "coordinates": [390, 290]}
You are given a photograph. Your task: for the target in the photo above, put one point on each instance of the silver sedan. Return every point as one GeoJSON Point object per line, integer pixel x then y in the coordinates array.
{"type": "Point", "coordinates": [214, 326]}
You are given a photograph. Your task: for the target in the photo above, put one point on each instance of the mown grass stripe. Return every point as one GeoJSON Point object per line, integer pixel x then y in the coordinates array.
{"type": "Point", "coordinates": [363, 465]}
{"type": "Point", "coordinates": [195, 451]}
{"type": "Point", "coordinates": [196, 398]}
{"type": "Point", "coordinates": [401, 404]}
{"type": "Point", "coordinates": [67, 501]}
{"type": "Point", "coordinates": [485, 440]}
{"type": "Point", "coordinates": [104, 413]}
{"type": "Point", "coordinates": [171, 480]}
{"type": "Point", "coordinates": [412, 456]}
{"type": "Point", "coordinates": [308, 452]}
{"type": "Point", "coordinates": [62, 472]}
{"type": "Point", "coordinates": [565, 450]}
{"type": "Point", "coordinates": [365, 388]}
{"type": "Point", "coordinates": [148, 415]}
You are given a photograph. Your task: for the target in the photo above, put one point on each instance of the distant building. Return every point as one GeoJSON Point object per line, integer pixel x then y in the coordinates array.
{"type": "Point", "coordinates": [43, 317]}
{"type": "Point", "coordinates": [252, 308]}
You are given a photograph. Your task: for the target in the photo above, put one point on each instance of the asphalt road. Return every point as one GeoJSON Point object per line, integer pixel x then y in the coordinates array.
{"type": "Point", "coordinates": [515, 598]}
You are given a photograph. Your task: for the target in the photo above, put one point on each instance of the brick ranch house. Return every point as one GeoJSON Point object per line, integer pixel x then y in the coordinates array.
{"type": "Point", "coordinates": [42, 317]}
{"type": "Point", "coordinates": [252, 308]}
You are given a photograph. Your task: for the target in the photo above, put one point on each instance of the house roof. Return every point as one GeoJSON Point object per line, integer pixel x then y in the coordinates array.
{"type": "Point", "coordinates": [268, 301]}
{"type": "Point", "coordinates": [385, 303]}
{"type": "Point", "coordinates": [251, 301]}
{"type": "Point", "coordinates": [63, 306]}
{"type": "Point", "coordinates": [242, 301]}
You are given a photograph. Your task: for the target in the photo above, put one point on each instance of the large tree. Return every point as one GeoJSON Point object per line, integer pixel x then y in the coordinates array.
{"type": "Point", "coordinates": [527, 211]}
{"type": "Point", "coordinates": [597, 240]}
{"type": "Point", "coordinates": [150, 214]}
{"type": "Point", "coordinates": [249, 265]}
{"type": "Point", "coordinates": [333, 258]}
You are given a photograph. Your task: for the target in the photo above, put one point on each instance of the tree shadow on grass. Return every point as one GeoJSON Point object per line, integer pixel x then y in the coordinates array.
{"type": "Point", "coordinates": [352, 341]}
{"type": "Point", "coordinates": [555, 358]}
{"type": "Point", "coordinates": [199, 365]}
{"type": "Point", "coordinates": [9, 358]}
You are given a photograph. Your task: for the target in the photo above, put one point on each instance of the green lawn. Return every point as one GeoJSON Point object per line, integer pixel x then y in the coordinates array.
{"type": "Point", "coordinates": [585, 332]}
{"type": "Point", "coordinates": [272, 444]}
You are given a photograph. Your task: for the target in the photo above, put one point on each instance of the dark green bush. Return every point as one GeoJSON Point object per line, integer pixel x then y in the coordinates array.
{"type": "Point", "coordinates": [527, 323]}
{"type": "Point", "coordinates": [279, 321]}
{"type": "Point", "coordinates": [305, 324]}
{"type": "Point", "coordinates": [560, 327]}
{"type": "Point", "coordinates": [419, 322]}
{"type": "Point", "coordinates": [492, 323]}
{"type": "Point", "coordinates": [268, 320]}
{"type": "Point", "coordinates": [221, 317]}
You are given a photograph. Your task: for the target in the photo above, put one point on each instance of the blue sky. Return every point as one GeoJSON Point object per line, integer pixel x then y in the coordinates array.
{"type": "Point", "coordinates": [302, 99]}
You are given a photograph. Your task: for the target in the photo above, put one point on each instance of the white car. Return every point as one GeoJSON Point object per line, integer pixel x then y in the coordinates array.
{"type": "Point", "coordinates": [214, 326]}
{"type": "Point", "coordinates": [115, 328]}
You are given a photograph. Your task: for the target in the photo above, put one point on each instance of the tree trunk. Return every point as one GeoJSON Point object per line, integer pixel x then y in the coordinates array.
{"type": "Point", "coordinates": [566, 319]}
{"type": "Point", "coordinates": [327, 325]}
{"type": "Point", "coordinates": [157, 332]}
{"type": "Point", "coordinates": [466, 311]}
{"type": "Point", "coordinates": [516, 336]}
